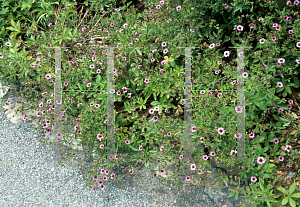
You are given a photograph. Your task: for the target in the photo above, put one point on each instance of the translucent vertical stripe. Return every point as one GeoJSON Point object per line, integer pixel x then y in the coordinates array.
{"type": "Point", "coordinates": [110, 105]}
{"type": "Point", "coordinates": [240, 102]}
{"type": "Point", "coordinates": [187, 138]}
{"type": "Point", "coordinates": [57, 100]}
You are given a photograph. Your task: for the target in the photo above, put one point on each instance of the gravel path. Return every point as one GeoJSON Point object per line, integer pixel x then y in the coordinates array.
{"type": "Point", "coordinates": [28, 179]}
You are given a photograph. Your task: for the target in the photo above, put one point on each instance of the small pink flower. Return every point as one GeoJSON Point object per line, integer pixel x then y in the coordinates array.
{"type": "Point", "coordinates": [262, 41]}
{"type": "Point", "coordinates": [193, 167]}
{"type": "Point", "coordinates": [240, 28]}
{"type": "Point", "coordinates": [178, 8]}
{"type": "Point", "coordinates": [251, 135]}
{"type": "Point", "coordinates": [260, 160]}
{"type": "Point", "coordinates": [281, 60]}
{"type": "Point", "coordinates": [238, 109]}
{"type": "Point", "coordinates": [245, 74]}
{"type": "Point", "coordinates": [279, 84]}
{"type": "Point", "coordinates": [221, 131]}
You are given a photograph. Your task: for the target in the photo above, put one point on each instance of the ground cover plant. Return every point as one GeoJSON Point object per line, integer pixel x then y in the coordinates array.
{"type": "Point", "coordinates": [149, 76]}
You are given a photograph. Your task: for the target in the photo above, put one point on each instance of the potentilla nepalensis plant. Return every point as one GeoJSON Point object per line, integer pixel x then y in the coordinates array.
{"type": "Point", "coordinates": [135, 82]}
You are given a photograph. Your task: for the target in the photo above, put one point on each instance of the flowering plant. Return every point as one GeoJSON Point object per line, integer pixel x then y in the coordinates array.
{"type": "Point", "coordinates": [146, 85]}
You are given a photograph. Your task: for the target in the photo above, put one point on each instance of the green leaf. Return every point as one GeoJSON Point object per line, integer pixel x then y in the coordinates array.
{"type": "Point", "coordinates": [154, 151]}
{"type": "Point", "coordinates": [292, 202]}
{"type": "Point", "coordinates": [285, 200]}
{"type": "Point", "coordinates": [292, 188]}
{"type": "Point", "coordinates": [236, 195]}
{"type": "Point", "coordinates": [296, 195]}
{"type": "Point", "coordinates": [132, 50]}
{"type": "Point", "coordinates": [283, 190]}
{"type": "Point", "coordinates": [154, 103]}
{"type": "Point", "coordinates": [133, 148]}
{"type": "Point", "coordinates": [288, 89]}
{"type": "Point", "coordinates": [139, 51]}
{"type": "Point", "coordinates": [284, 94]}
{"type": "Point", "coordinates": [43, 34]}
{"type": "Point", "coordinates": [231, 194]}
{"type": "Point", "coordinates": [262, 186]}
{"type": "Point", "coordinates": [13, 23]}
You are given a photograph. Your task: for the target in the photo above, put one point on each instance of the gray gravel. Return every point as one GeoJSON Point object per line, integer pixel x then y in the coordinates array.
{"type": "Point", "coordinates": [28, 179]}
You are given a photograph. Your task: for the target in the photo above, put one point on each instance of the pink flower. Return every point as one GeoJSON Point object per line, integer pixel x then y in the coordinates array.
{"type": "Point", "coordinates": [281, 60]}
{"type": "Point", "coordinates": [251, 135]}
{"type": "Point", "coordinates": [281, 158]}
{"type": "Point", "coordinates": [240, 28]}
{"type": "Point", "coordinates": [260, 160]}
{"type": "Point", "coordinates": [212, 45]}
{"type": "Point", "coordinates": [238, 109]}
{"type": "Point", "coordinates": [221, 131]}
{"type": "Point", "coordinates": [226, 53]}
{"type": "Point", "coordinates": [193, 167]}
{"type": "Point", "coordinates": [245, 74]}
{"type": "Point", "coordinates": [233, 152]}
{"type": "Point", "coordinates": [178, 8]}
{"type": "Point", "coordinates": [279, 84]}
{"type": "Point", "coordinates": [253, 179]}
{"type": "Point", "coordinates": [262, 41]}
